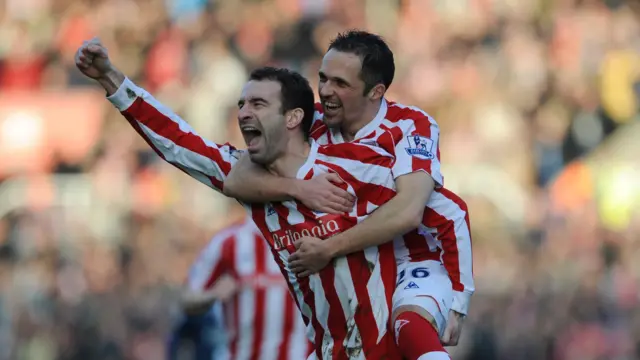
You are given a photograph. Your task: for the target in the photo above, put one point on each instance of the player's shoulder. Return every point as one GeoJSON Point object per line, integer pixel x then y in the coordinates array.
{"type": "Point", "coordinates": [356, 153]}
{"type": "Point", "coordinates": [234, 230]}
{"type": "Point", "coordinates": [213, 251]}
{"type": "Point", "coordinates": [398, 113]}
{"type": "Point", "coordinates": [225, 240]}
{"type": "Point", "coordinates": [223, 236]}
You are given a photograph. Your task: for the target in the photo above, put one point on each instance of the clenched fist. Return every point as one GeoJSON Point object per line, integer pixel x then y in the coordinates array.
{"type": "Point", "coordinates": [92, 59]}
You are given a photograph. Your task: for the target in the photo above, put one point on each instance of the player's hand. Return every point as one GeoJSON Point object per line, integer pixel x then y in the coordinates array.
{"type": "Point", "coordinates": [311, 256]}
{"type": "Point", "coordinates": [225, 288]}
{"type": "Point", "coordinates": [92, 59]}
{"type": "Point", "coordinates": [323, 194]}
{"type": "Point", "coordinates": [453, 330]}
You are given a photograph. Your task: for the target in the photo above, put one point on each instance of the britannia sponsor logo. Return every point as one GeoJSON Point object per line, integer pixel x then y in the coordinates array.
{"type": "Point", "coordinates": [322, 230]}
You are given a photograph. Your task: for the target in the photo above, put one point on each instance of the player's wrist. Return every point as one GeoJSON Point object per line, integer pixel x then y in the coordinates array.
{"type": "Point", "coordinates": [111, 81]}
{"type": "Point", "coordinates": [332, 246]}
{"type": "Point", "coordinates": [294, 188]}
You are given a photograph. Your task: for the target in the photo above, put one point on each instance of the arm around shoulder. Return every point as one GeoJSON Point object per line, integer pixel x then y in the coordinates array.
{"type": "Point", "coordinates": [398, 216]}
{"type": "Point", "coordinates": [252, 183]}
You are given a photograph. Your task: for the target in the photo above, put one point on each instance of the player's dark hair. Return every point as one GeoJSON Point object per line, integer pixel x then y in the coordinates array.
{"type": "Point", "coordinates": [378, 66]}
{"type": "Point", "coordinates": [295, 92]}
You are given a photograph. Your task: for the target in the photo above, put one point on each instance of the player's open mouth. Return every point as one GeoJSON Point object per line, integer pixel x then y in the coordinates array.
{"type": "Point", "coordinates": [331, 107]}
{"type": "Point", "coordinates": [252, 136]}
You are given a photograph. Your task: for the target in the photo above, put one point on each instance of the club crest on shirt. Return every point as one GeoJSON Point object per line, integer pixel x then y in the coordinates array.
{"type": "Point", "coordinates": [131, 94]}
{"type": "Point", "coordinates": [420, 146]}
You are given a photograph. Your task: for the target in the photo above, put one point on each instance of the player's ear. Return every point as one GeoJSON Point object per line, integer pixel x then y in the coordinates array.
{"type": "Point", "coordinates": [294, 117]}
{"type": "Point", "coordinates": [377, 92]}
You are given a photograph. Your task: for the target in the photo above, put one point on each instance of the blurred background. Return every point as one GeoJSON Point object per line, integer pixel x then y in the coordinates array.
{"type": "Point", "coordinates": [538, 106]}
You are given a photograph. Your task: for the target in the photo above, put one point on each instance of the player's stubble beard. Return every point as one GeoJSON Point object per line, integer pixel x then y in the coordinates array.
{"type": "Point", "coordinates": [273, 143]}
{"type": "Point", "coordinates": [353, 115]}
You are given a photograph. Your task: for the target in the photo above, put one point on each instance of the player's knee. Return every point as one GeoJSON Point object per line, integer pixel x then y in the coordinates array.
{"type": "Point", "coordinates": [418, 310]}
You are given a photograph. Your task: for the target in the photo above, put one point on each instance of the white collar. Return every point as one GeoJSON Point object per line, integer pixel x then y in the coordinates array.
{"type": "Point", "coordinates": [311, 159]}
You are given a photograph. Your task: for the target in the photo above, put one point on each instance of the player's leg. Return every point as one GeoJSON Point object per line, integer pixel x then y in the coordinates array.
{"type": "Point", "coordinates": [420, 307]}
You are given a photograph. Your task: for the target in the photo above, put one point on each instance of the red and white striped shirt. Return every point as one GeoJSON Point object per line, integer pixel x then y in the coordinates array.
{"type": "Point", "coordinates": [411, 136]}
{"type": "Point", "coordinates": [261, 321]}
{"type": "Point", "coordinates": [346, 306]}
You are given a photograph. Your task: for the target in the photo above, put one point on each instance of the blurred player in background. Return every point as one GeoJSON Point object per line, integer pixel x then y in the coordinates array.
{"type": "Point", "coordinates": [432, 243]}
{"type": "Point", "coordinates": [261, 320]}
{"type": "Point", "coordinates": [198, 335]}
{"type": "Point", "coordinates": [346, 307]}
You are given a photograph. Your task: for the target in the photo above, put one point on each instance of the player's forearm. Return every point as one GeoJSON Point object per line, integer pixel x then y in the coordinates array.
{"type": "Point", "coordinates": [251, 183]}
{"type": "Point", "coordinates": [394, 218]}
{"type": "Point", "coordinates": [197, 302]}
{"type": "Point", "coordinates": [112, 81]}
{"type": "Point", "coordinates": [398, 216]}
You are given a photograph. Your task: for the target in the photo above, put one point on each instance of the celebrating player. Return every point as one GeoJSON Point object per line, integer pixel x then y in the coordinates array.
{"type": "Point", "coordinates": [346, 306]}
{"type": "Point", "coordinates": [355, 74]}
{"type": "Point", "coordinates": [237, 268]}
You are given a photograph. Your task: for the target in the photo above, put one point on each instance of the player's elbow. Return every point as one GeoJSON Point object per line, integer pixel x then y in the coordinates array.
{"type": "Point", "coordinates": [411, 219]}
{"type": "Point", "coordinates": [414, 191]}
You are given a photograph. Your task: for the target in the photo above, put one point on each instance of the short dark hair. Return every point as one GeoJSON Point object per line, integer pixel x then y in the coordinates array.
{"type": "Point", "coordinates": [295, 92]}
{"type": "Point", "coordinates": [378, 66]}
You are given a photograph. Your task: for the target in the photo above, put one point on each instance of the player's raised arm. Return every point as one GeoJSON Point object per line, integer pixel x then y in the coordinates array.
{"type": "Point", "coordinates": [170, 136]}
{"type": "Point", "coordinates": [251, 183]}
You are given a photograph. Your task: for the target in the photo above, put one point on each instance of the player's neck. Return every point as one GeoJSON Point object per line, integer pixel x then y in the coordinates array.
{"type": "Point", "coordinates": [290, 161]}
{"type": "Point", "coordinates": [350, 130]}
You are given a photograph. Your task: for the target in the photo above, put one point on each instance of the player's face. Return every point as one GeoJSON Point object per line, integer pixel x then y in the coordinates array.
{"type": "Point", "coordinates": [261, 120]}
{"type": "Point", "coordinates": [340, 88]}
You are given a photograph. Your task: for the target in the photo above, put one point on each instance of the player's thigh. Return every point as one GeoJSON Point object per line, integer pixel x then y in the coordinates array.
{"type": "Point", "coordinates": [424, 285]}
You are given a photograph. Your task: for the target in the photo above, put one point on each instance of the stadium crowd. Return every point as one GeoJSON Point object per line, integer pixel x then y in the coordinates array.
{"type": "Point", "coordinates": [537, 103]}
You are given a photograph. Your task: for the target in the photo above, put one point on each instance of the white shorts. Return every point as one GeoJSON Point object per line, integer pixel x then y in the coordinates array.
{"type": "Point", "coordinates": [425, 284]}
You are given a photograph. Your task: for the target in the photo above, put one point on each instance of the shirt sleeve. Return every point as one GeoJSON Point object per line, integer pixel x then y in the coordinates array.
{"type": "Point", "coordinates": [173, 138]}
{"type": "Point", "coordinates": [448, 214]}
{"type": "Point", "coordinates": [417, 148]}
{"type": "Point", "coordinates": [215, 261]}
